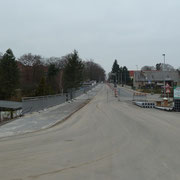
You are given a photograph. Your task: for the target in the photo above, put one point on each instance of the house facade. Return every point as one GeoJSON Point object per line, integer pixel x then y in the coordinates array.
{"type": "Point", "coordinates": [131, 74]}
{"type": "Point", "coordinates": [156, 78]}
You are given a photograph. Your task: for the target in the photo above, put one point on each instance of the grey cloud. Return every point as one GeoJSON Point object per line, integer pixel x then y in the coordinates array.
{"type": "Point", "coordinates": [136, 32]}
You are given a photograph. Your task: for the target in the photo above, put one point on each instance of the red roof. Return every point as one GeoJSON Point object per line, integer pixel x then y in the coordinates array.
{"type": "Point", "coordinates": [131, 73]}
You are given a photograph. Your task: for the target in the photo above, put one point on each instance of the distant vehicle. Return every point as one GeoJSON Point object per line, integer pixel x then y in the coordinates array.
{"type": "Point", "coordinates": [89, 83]}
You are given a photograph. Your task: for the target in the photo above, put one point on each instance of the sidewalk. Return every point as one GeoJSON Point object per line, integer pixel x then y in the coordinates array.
{"type": "Point", "coordinates": [46, 118]}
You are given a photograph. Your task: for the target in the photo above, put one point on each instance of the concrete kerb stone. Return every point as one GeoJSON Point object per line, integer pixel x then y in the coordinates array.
{"type": "Point", "coordinates": [64, 119]}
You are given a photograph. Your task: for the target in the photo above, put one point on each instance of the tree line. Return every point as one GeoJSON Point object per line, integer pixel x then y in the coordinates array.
{"type": "Point", "coordinates": [159, 67]}
{"type": "Point", "coordinates": [119, 74]}
{"type": "Point", "coordinates": [33, 75]}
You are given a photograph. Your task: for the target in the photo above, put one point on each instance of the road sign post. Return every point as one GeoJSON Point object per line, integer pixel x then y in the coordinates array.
{"type": "Point", "coordinates": [168, 90]}
{"type": "Point", "coordinates": [177, 92]}
{"type": "Point", "coordinates": [119, 94]}
{"type": "Point", "coordinates": [177, 98]}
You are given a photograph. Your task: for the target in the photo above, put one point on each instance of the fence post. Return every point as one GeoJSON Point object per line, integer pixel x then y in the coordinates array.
{"type": "Point", "coordinates": [66, 96]}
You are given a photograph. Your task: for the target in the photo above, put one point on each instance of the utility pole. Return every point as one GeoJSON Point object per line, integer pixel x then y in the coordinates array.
{"type": "Point", "coordinates": [125, 76]}
{"type": "Point", "coordinates": [118, 93]}
{"type": "Point", "coordinates": [107, 95]}
{"type": "Point", "coordinates": [121, 78]}
{"type": "Point", "coordinates": [164, 75]}
{"type": "Point", "coordinates": [118, 75]}
{"type": "Point", "coordinates": [137, 67]}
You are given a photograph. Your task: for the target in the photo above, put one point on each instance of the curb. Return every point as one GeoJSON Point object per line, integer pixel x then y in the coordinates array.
{"type": "Point", "coordinates": [51, 125]}
{"type": "Point", "coordinates": [80, 106]}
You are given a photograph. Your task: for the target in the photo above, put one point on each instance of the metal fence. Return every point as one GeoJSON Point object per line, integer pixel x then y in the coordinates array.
{"type": "Point", "coordinates": [39, 103]}
{"type": "Point", "coordinates": [139, 96]}
{"type": "Point", "coordinates": [35, 104]}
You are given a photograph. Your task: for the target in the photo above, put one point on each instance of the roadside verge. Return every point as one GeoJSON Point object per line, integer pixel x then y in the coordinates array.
{"type": "Point", "coordinates": [47, 118]}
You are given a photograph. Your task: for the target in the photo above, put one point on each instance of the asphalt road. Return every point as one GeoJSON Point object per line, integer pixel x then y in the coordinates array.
{"type": "Point", "coordinates": [105, 140]}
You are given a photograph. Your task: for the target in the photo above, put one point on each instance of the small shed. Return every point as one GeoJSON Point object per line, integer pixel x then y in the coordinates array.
{"type": "Point", "coordinates": [10, 110]}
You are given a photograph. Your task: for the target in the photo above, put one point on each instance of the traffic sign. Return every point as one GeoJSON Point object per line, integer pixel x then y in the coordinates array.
{"type": "Point", "coordinates": [168, 91]}
{"type": "Point", "coordinates": [167, 85]}
{"type": "Point", "coordinates": [177, 92]}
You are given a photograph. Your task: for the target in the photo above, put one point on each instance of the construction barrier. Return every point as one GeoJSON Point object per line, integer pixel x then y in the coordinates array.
{"type": "Point", "coordinates": [115, 92]}
{"type": "Point", "coordinates": [113, 89]}
{"type": "Point", "coordinates": [139, 96]}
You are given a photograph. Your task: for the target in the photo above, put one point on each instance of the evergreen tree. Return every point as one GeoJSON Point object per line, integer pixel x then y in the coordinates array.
{"type": "Point", "coordinates": [9, 75]}
{"type": "Point", "coordinates": [73, 71]}
{"type": "Point", "coordinates": [121, 75]}
{"type": "Point", "coordinates": [43, 89]}
{"type": "Point", "coordinates": [52, 76]}
{"type": "Point", "coordinates": [115, 71]}
{"type": "Point", "coordinates": [52, 70]}
{"type": "Point", "coordinates": [158, 66]}
{"type": "Point", "coordinates": [125, 75]}
{"type": "Point", "coordinates": [115, 67]}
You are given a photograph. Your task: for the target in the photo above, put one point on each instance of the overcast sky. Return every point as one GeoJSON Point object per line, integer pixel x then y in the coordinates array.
{"type": "Point", "coordinates": [135, 32]}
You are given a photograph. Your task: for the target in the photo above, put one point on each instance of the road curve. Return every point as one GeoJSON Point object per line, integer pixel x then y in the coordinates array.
{"type": "Point", "coordinates": [105, 140]}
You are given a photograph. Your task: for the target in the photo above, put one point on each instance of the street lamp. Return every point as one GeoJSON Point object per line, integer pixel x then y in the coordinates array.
{"type": "Point", "coordinates": [115, 78]}
{"type": "Point", "coordinates": [164, 74]}
{"type": "Point", "coordinates": [118, 76]}
{"type": "Point", "coordinates": [121, 77]}
{"type": "Point", "coordinates": [137, 67]}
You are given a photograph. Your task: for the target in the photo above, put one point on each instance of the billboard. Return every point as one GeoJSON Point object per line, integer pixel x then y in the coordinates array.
{"type": "Point", "coordinates": [177, 92]}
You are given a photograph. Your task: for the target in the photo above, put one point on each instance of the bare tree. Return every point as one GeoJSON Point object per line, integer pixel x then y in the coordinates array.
{"type": "Point", "coordinates": [168, 67]}
{"type": "Point", "coordinates": [1, 55]}
{"type": "Point", "coordinates": [30, 59]}
{"type": "Point", "coordinates": [93, 71]}
{"type": "Point", "coordinates": [148, 68]}
{"type": "Point", "coordinates": [165, 67]}
{"type": "Point", "coordinates": [32, 71]}
{"type": "Point", "coordinates": [59, 62]}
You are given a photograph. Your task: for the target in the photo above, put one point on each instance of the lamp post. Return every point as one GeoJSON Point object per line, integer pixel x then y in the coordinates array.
{"type": "Point", "coordinates": [118, 76]}
{"type": "Point", "coordinates": [115, 78]}
{"type": "Point", "coordinates": [164, 74]}
{"type": "Point", "coordinates": [121, 78]}
{"type": "Point", "coordinates": [137, 67]}
{"type": "Point", "coordinates": [125, 76]}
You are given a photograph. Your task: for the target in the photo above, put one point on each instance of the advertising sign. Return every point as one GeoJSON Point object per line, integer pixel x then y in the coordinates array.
{"type": "Point", "coordinates": [177, 92]}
